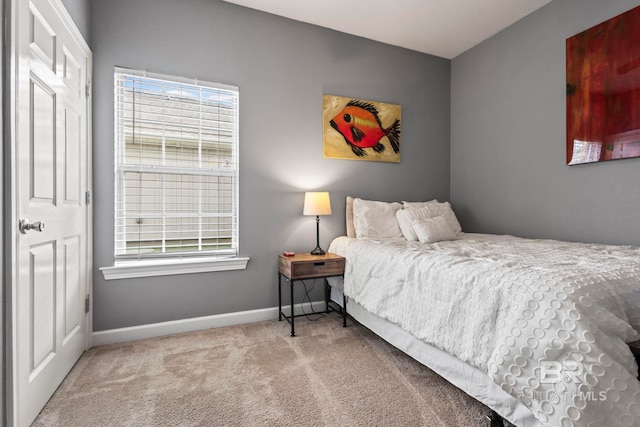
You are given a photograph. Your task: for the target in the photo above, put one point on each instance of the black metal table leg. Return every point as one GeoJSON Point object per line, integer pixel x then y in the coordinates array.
{"type": "Point", "coordinates": [279, 296]}
{"type": "Point", "coordinates": [337, 308]}
{"type": "Point", "coordinates": [327, 295]}
{"type": "Point", "coordinates": [344, 310]}
{"type": "Point", "coordinates": [293, 334]}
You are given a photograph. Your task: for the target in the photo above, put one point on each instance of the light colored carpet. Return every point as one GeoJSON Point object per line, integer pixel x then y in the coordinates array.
{"type": "Point", "coordinates": [257, 375]}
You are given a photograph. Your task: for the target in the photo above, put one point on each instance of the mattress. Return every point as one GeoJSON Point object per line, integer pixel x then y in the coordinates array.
{"type": "Point", "coordinates": [546, 322]}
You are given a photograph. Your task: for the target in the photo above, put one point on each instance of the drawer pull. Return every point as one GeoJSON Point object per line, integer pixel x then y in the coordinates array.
{"type": "Point", "coordinates": [318, 263]}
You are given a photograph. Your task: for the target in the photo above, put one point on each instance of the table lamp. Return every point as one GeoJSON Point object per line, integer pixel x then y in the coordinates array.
{"type": "Point", "coordinates": [317, 203]}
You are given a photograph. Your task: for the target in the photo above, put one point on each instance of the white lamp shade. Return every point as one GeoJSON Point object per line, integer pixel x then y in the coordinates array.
{"type": "Point", "coordinates": [317, 203]}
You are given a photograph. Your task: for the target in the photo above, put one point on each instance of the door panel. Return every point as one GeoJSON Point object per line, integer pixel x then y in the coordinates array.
{"type": "Point", "coordinates": [42, 38]}
{"type": "Point", "coordinates": [43, 146]}
{"type": "Point", "coordinates": [73, 160]}
{"type": "Point", "coordinates": [73, 292]}
{"type": "Point", "coordinates": [43, 273]}
{"type": "Point", "coordinates": [72, 73]}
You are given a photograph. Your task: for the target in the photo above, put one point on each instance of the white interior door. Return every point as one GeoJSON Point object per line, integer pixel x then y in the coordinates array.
{"type": "Point", "coordinates": [50, 177]}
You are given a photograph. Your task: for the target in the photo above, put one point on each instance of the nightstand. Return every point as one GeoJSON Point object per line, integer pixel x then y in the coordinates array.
{"type": "Point", "coordinates": [307, 266]}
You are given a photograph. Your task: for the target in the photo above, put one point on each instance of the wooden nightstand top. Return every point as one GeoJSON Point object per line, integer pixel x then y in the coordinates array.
{"type": "Point", "coordinates": [307, 266]}
{"type": "Point", "coordinates": [301, 257]}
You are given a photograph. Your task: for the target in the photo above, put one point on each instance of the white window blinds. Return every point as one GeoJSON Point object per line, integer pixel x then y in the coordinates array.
{"type": "Point", "coordinates": [176, 166]}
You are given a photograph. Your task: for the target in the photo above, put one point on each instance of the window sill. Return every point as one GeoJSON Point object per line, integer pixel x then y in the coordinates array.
{"type": "Point", "coordinates": [149, 268]}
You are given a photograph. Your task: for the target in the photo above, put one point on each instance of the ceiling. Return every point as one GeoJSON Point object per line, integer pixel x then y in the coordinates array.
{"type": "Point", "coordinates": [444, 28]}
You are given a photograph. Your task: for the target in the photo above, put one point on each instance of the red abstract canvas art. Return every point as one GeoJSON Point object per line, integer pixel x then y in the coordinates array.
{"type": "Point", "coordinates": [603, 91]}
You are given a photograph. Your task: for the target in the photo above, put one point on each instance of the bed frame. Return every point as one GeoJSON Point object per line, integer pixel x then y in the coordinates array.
{"type": "Point", "coordinates": [505, 408]}
{"type": "Point", "coordinates": [466, 377]}
{"type": "Point", "coordinates": [635, 349]}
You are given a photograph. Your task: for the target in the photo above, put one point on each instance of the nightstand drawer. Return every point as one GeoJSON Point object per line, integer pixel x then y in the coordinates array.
{"type": "Point", "coordinates": [305, 266]}
{"type": "Point", "coordinates": [310, 269]}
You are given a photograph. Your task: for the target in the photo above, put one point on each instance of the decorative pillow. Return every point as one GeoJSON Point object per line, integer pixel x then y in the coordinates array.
{"type": "Point", "coordinates": [410, 205]}
{"type": "Point", "coordinates": [377, 220]}
{"type": "Point", "coordinates": [428, 210]}
{"type": "Point", "coordinates": [444, 208]}
{"type": "Point", "coordinates": [431, 230]}
{"type": "Point", "coordinates": [405, 216]}
{"type": "Point", "coordinates": [350, 230]}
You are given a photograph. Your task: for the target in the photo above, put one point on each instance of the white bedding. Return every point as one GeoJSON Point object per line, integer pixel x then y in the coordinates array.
{"type": "Point", "coordinates": [547, 321]}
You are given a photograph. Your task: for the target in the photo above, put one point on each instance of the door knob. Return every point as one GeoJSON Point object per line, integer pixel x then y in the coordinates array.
{"type": "Point", "coordinates": [25, 226]}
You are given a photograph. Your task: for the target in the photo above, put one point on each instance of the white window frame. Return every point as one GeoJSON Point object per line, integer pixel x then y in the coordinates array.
{"type": "Point", "coordinates": [181, 262]}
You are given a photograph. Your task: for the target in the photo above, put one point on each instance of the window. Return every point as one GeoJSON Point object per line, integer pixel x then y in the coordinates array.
{"type": "Point", "coordinates": [176, 167]}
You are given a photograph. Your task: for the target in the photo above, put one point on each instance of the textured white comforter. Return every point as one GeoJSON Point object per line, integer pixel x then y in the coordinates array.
{"type": "Point", "coordinates": [546, 320]}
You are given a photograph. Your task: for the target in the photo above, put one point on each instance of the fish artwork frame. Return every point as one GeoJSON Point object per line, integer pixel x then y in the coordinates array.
{"type": "Point", "coordinates": [357, 129]}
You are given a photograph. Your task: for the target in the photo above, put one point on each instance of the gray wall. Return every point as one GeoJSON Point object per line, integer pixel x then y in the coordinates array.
{"type": "Point", "coordinates": [80, 12]}
{"type": "Point", "coordinates": [282, 68]}
{"type": "Point", "coordinates": [508, 172]}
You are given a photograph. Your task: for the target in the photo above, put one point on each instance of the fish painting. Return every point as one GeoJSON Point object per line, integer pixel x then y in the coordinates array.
{"type": "Point", "coordinates": [357, 129]}
{"type": "Point", "coordinates": [360, 126]}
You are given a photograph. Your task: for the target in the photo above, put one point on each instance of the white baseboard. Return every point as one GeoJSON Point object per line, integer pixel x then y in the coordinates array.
{"type": "Point", "coordinates": [195, 324]}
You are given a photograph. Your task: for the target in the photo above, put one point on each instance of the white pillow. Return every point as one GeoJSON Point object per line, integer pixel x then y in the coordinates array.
{"type": "Point", "coordinates": [431, 230]}
{"type": "Point", "coordinates": [376, 220]}
{"type": "Point", "coordinates": [350, 230]}
{"type": "Point", "coordinates": [444, 208]}
{"type": "Point", "coordinates": [428, 210]}
{"type": "Point", "coordinates": [405, 216]}
{"type": "Point", "coordinates": [409, 205]}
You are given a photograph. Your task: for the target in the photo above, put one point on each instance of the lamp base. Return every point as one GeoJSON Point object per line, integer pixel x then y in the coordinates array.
{"type": "Point", "coordinates": [317, 251]}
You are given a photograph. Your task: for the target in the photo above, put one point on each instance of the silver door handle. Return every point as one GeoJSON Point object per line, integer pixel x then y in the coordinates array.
{"type": "Point", "coordinates": [25, 226]}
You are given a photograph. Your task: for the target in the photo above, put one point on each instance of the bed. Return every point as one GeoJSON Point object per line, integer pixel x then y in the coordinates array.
{"type": "Point", "coordinates": [535, 329]}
